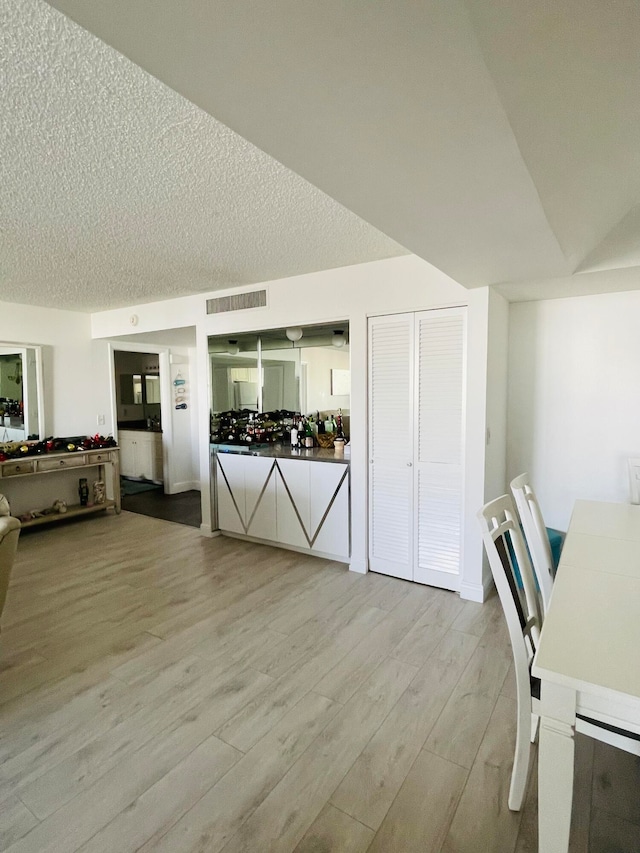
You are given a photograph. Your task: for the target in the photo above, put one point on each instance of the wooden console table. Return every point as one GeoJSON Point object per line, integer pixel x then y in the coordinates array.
{"type": "Point", "coordinates": [104, 459]}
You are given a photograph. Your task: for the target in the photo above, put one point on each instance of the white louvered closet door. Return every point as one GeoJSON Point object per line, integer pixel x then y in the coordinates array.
{"type": "Point", "coordinates": [391, 513]}
{"type": "Point", "coordinates": [416, 441]}
{"type": "Point", "coordinates": [439, 393]}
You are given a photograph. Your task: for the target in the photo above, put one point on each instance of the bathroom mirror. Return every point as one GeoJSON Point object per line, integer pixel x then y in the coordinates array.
{"type": "Point", "coordinates": [21, 394]}
{"type": "Point", "coordinates": [137, 381]}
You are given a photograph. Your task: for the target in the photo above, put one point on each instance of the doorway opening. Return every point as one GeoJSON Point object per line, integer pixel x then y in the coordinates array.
{"type": "Point", "coordinates": [156, 431]}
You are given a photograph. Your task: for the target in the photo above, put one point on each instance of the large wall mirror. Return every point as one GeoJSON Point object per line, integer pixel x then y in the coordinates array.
{"type": "Point", "coordinates": [301, 370]}
{"type": "Point", "coordinates": [21, 393]}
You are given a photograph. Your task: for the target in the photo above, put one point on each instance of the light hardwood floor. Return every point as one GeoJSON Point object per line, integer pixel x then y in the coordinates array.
{"type": "Point", "coordinates": [164, 692]}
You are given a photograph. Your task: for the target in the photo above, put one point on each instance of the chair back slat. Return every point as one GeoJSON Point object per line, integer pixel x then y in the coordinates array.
{"type": "Point", "coordinates": [634, 479]}
{"type": "Point", "coordinates": [508, 559]}
{"type": "Point", "coordinates": [536, 535]}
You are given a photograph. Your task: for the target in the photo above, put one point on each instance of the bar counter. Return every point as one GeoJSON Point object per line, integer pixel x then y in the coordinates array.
{"type": "Point", "coordinates": [285, 451]}
{"type": "Point", "coordinates": [283, 496]}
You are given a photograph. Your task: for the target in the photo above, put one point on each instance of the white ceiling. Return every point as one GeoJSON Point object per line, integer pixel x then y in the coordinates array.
{"type": "Point", "coordinates": [117, 190]}
{"type": "Point", "coordinates": [497, 139]}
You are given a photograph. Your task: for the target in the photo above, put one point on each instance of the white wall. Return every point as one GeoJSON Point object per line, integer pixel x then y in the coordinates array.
{"type": "Point", "coordinates": [398, 284]}
{"type": "Point", "coordinates": [184, 455]}
{"type": "Point", "coordinates": [574, 404]}
{"type": "Point", "coordinates": [321, 361]}
{"type": "Point", "coordinates": [495, 483]}
{"type": "Point", "coordinates": [76, 385]}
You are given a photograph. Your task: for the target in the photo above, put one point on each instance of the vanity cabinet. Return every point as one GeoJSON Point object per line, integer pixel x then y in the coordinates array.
{"type": "Point", "coordinates": [141, 454]}
{"type": "Point", "coordinates": [301, 504]}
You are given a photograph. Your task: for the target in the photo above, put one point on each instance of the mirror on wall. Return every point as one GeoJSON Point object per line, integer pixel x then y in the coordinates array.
{"type": "Point", "coordinates": [21, 397]}
{"type": "Point", "coordinates": [138, 390]}
{"type": "Point", "coordinates": [295, 370]}
{"type": "Point", "coordinates": [234, 373]}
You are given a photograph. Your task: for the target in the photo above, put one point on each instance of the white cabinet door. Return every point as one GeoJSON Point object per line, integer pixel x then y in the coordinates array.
{"type": "Point", "coordinates": [145, 455]}
{"type": "Point", "coordinates": [292, 502]}
{"type": "Point", "coordinates": [127, 446]}
{"type": "Point", "coordinates": [246, 495]}
{"type": "Point", "coordinates": [260, 497]}
{"type": "Point", "coordinates": [440, 359]}
{"type": "Point", "coordinates": [158, 462]}
{"type": "Point", "coordinates": [391, 362]}
{"type": "Point", "coordinates": [230, 474]}
{"type": "Point", "coordinates": [329, 508]}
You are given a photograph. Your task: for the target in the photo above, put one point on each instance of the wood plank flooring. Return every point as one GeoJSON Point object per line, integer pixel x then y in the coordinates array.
{"type": "Point", "coordinates": [160, 691]}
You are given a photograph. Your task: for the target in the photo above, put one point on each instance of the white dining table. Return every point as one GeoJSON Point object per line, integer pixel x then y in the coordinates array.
{"type": "Point", "coordinates": [588, 657]}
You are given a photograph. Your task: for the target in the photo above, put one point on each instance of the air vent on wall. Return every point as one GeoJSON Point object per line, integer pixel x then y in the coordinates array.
{"type": "Point", "coordinates": [237, 302]}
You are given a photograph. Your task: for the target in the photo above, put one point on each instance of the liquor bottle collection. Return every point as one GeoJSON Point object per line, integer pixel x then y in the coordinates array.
{"type": "Point", "coordinates": [245, 427]}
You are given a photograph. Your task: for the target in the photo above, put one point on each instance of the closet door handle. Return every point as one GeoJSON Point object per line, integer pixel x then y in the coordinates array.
{"type": "Point", "coordinates": [409, 464]}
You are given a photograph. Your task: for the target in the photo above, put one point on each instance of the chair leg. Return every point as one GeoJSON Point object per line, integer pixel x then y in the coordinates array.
{"type": "Point", "coordinates": [520, 771]}
{"type": "Point", "coordinates": [535, 722]}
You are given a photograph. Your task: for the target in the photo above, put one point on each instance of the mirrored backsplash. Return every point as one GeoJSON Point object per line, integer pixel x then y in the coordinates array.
{"type": "Point", "coordinates": [273, 376]}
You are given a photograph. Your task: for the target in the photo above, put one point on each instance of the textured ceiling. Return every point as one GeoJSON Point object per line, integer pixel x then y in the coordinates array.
{"type": "Point", "coordinates": [497, 139]}
{"type": "Point", "coordinates": [116, 190]}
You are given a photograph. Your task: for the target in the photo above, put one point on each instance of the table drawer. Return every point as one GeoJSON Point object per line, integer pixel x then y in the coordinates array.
{"type": "Point", "coordinates": [74, 460]}
{"type": "Point", "coordinates": [15, 469]}
{"type": "Point", "coordinates": [99, 458]}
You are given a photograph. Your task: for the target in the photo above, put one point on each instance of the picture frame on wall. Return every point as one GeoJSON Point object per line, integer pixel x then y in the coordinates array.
{"type": "Point", "coordinates": [340, 382]}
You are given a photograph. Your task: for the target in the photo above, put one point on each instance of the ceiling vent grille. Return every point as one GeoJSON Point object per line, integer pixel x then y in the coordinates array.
{"type": "Point", "coordinates": [237, 302]}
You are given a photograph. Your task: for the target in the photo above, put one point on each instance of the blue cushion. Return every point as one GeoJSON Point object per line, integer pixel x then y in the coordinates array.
{"type": "Point", "coordinates": [556, 540]}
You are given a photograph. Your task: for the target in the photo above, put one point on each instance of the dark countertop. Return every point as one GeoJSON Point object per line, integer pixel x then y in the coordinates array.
{"type": "Point", "coordinates": [137, 429]}
{"type": "Point", "coordinates": [285, 451]}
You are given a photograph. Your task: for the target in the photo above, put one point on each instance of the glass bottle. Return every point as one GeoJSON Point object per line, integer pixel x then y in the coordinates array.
{"type": "Point", "coordinates": [83, 491]}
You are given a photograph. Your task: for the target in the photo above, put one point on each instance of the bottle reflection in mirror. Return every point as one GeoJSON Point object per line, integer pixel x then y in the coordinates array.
{"type": "Point", "coordinates": [83, 491]}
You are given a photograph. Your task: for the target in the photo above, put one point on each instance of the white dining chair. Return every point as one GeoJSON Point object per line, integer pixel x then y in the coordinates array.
{"type": "Point", "coordinates": [539, 537]}
{"type": "Point", "coordinates": [634, 479]}
{"type": "Point", "coordinates": [505, 547]}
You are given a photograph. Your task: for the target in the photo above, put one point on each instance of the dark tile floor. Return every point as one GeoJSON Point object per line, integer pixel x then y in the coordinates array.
{"type": "Point", "coordinates": [184, 508]}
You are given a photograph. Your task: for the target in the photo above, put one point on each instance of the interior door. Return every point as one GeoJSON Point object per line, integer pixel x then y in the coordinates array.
{"type": "Point", "coordinates": [391, 433]}
{"type": "Point", "coordinates": [439, 393]}
{"type": "Point", "coordinates": [416, 441]}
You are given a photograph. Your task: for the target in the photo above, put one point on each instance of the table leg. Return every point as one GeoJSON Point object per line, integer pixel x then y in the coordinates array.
{"type": "Point", "coordinates": [555, 779]}
{"type": "Point", "coordinates": [115, 472]}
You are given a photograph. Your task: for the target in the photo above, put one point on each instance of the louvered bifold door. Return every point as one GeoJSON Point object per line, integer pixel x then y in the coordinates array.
{"type": "Point", "coordinates": [391, 357]}
{"type": "Point", "coordinates": [439, 419]}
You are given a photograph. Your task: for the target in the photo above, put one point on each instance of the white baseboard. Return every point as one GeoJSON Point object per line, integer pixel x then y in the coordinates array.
{"type": "Point", "coordinates": [475, 591]}
{"type": "Point", "coordinates": [206, 530]}
{"type": "Point", "coordinates": [185, 486]}
{"type": "Point", "coordinates": [359, 566]}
